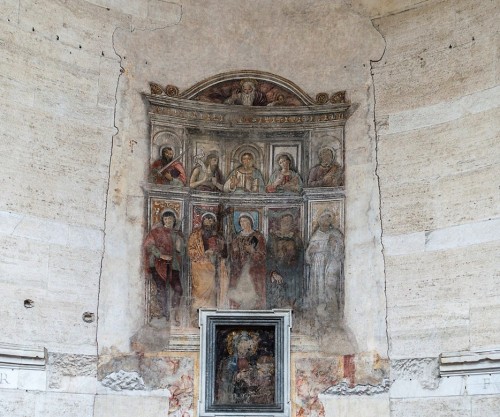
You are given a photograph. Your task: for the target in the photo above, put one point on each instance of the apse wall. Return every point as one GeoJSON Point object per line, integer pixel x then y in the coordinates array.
{"type": "Point", "coordinates": [421, 196]}
{"type": "Point", "coordinates": [437, 112]}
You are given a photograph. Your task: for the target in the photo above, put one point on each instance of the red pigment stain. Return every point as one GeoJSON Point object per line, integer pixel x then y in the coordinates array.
{"type": "Point", "coordinates": [349, 368]}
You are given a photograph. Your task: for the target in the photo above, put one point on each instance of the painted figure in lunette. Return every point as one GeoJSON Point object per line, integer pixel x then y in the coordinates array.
{"type": "Point", "coordinates": [163, 248]}
{"type": "Point", "coordinates": [325, 257]}
{"type": "Point", "coordinates": [285, 264]}
{"type": "Point", "coordinates": [207, 251]}
{"type": "Point", "coordinates": [168, 170]}
{"type": "Point", "coordinates": [247, 95]}
{"type": "Point", "coordinates": [245, 178]}
{"type": "Point", "coordinates": [284, 179]}
{"type": "Point", "coordinates": [247, 285]}
{"type": "Point", "coordinates": [327, 173]}
{"type": "Point", "coordinates": [206, 175]}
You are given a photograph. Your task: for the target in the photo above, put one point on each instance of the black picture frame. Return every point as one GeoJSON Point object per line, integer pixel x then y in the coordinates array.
{"type": "Point", "coordinates": [245, 363]}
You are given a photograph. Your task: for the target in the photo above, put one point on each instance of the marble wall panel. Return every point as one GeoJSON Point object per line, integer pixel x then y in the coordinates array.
{"type": "Point", "coordinates": [454, 274]}
{"type": "Point", "coordinates": [438, 328]}
{"type": "Point", "coordinates": [484, 317]}
{"type": "Point", "coordinates": [438, 407]}
{"type": "Point", "coordinates": [437, 51]}
{"type": "Point", "coordinates": [150, 406]}
{"type": "Point", "coordinates": [458, 146]}
{"type": "Point", "coordinates": [485, 406]}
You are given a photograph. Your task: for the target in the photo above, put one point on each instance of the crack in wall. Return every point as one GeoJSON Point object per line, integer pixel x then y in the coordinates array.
{"type": "Point", "coordinates": [377, 175]}
{"type": "Point", "coordinates": [108, 185]}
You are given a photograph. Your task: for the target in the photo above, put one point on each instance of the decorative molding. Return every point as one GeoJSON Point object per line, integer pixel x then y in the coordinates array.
{"type": "Point", "coordinates": [22, 357]}
{"type": "Point", "coordinates": [281, 86]}
{"type": "Point", "coordinates": [167, 110]}
{"type": "Point", "coordinates": [469, 362]}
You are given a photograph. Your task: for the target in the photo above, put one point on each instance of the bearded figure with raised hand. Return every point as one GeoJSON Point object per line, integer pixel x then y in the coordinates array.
{"type": "Point", "coordinates": [207, 251]}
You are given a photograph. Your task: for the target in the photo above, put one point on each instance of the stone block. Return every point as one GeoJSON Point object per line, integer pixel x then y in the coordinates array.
{"type": "Point", "coordinates": [485, 406]}
{"type": "Point", "coordinates": [485, 313]}
{"type": "Point", "coordinates": [356, 405]}
{"type": "Point", "coordinates": [431, 77]}
{"type": "Point", "coordinates": [14, 403]}
{"type": "Point", "coordinates": [436, 407]}
{"type": "Point", "coordinates": [407, 244]}
{"type": "Point", "coordinates": [24, 262]}
{"type": "Point", "coordinates": [144, 406]}
{"type": "Point", "coordinates": [434, 44]}
{"type": "Point", "coordinates": [64, 405]}
{"type": "Point", "coordinates": [465, 111]}
{"type": "Point", "coordinates": [427, 329]}
{"type": "Point", "coordinates": [109, 70]}
{"type": "Point", "coordinates": [463, 235]}
{"type": "Point", "coordinates": [406, 207]}
{"type": "Point", "coordinates": [460, 274]}
{"type": "Point", "coordinates": [482, 201]}
{"type": "Point", "coordinates": [449, 158]}
{"type": "Point", "coordinates": [446, 387]}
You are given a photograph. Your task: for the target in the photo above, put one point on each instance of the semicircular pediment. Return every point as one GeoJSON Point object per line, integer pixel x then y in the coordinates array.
{"type": "Point", "coordinates": [250, 88]}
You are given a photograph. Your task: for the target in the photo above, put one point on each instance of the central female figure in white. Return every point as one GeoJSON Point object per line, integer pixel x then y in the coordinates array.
{"type": "Point", "coordinates": [247, 284]}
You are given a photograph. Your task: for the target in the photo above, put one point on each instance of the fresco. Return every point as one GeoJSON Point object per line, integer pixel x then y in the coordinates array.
{"type": "Point", "coordinates": [257, 198]}
{"type": "Point", "coordinates": [248, 92]}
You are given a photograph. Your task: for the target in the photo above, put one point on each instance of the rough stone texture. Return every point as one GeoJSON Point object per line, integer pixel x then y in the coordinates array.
{"type": "Point", "coordinates": [425, 370]}
{"type": "Point", "coordinates": [485, 406]}
{"type": "Point", "coordinates": [72, 372]}
{"type": "Point", "coordinates": [121, 380]}
{"type": "Point", "coordinates": [360, 389]}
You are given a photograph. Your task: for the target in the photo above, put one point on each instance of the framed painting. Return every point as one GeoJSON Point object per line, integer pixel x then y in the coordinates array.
{"type": "Point", "coordinates": [245, 363]}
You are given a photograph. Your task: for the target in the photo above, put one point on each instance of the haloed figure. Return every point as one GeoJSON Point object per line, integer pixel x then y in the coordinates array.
{"type": "Point", "coordinates": [247, 285]}
{"type": "Point", "coordinates": [207, 176]}
{"type": "Point", "coordinates": [285, 179]}
{"type": "Point", "coordinates": [163, 247]}
{"type": "Point", "coordinates": [327, 173]}
{"type": "Point", "coordinates": [245, 178]}
{"type": "Point", "coordinates": [285, 264]}
{"type": "Point", "coordinates": [167, 170]}
{"type": "Point", "coordinates": [207, 251]}
{"type": "Point", "coordinates": [325, 257]}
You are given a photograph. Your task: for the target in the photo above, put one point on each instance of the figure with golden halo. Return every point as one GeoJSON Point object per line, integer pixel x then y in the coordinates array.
{"type": "Point", "coordinates": [247, 283]}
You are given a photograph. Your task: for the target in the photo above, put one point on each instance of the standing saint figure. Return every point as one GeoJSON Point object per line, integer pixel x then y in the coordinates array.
{"type": "Point", "coordinates": [325, 257]}
{"type": "Point", "coordinates": [207, 176]}
{"type": "Point", "coordinates": [245, 178]}
{"type": "Point", "coordinates": [162, 249]}
{"type": "Point", "coordinates": [327, 173]}
{"type": "Point", "coordinates": [285, 264]}
{"type": "Point", "coordinates": [247, 284]}
{"type": "Point", "coordinates": [248, 95]}
{"type": "Point", "coordinates": [284, 179]}
{"type": "Point", "coordinates": [166, 170]}
{"type": "Point", "coordinates": [207, 251]}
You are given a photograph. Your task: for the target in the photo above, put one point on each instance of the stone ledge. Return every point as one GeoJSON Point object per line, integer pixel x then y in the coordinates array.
{"type": "Point", "coordinates": [469, 362]}
{"type": "Point", "coordinates": [22, 357]}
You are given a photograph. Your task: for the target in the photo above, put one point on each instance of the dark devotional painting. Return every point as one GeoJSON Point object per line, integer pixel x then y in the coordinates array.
{"type": "Point", "coordinates": [245, 365]}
